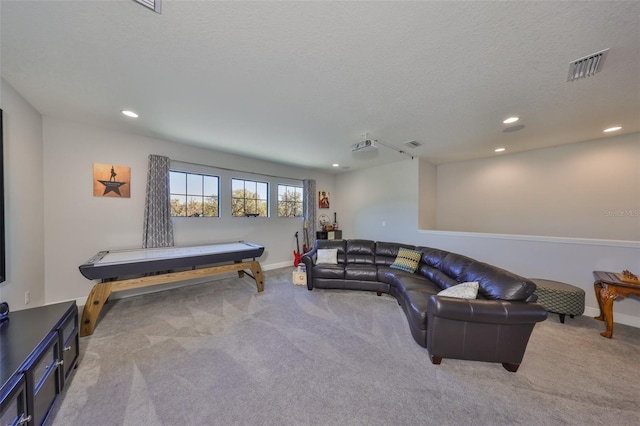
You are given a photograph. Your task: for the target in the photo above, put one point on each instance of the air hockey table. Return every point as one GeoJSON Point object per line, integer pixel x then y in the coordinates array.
{"type": "Point", "coordinates": [130, 269]}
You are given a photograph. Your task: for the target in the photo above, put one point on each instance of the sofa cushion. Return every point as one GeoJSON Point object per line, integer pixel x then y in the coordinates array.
{"type": "Point", "coordinates": [441, 279]}
{"type": "Point", "coordinates": [386, 253]}
{"type": "Point", "coordinates": [327, 256]}
{"type": "Point", "coordinates": [403, 280]}
{"type": "Point", "coordinates": [454, 265]}
{"type": "Point", "coordinates": [432, 256]}
{"type": "Point", "coordinates": [329, 271]}
{"type": "Point", "coordinates": [468, 290]}
{"type": "Point", "coordinates": [416, 305]}
{"type": "Point", "coordinates": [390, 276]}
{"type": "Point", "coordinates": [407, 260]}
{"type": "Point", "coordinates": [360, 251]}
{"type": "Point", "coordinates": [361, 272]}
{"type": "Point", "coordinates": [496, 283]}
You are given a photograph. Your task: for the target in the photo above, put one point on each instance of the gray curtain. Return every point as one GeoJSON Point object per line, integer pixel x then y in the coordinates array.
{"type": "Point", "coordinates": [309, 208]}
{"type": "Point", "coordinates": [158, 229]}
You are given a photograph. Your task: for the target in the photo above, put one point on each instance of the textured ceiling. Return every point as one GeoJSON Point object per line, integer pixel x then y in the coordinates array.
{"type": "Point", "coordinates": [299, 82]}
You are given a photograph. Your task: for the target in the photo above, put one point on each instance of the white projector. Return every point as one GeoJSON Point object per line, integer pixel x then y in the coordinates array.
{"type": "Point", "coordinates": [365, 145]}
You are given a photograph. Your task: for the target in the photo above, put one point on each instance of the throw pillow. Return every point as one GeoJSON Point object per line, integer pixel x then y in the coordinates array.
{"type": "Point", "coordinates": [327, 256]}
{"type": "Point", "coordinates": [462, 291]}
{"type": "Point", "coordinates": [407, 260]}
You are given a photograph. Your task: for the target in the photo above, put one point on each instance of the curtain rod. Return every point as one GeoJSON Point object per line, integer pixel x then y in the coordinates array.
{"type": "Point", "coordinates": [235, 170]}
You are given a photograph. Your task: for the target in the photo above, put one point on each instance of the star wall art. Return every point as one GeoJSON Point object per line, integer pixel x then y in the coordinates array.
{"type": "Point", "coordinates": [111, 181]}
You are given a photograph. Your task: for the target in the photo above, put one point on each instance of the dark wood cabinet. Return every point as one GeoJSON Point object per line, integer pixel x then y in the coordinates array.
{"type": "Point", "coordinates": [336, 234]}
{"type": "Point", "coordinates": [40, 348]}
{"type": "Point", "coordinates": [13, 402]}
{"type": "Point", "coordinates": [69, 344]}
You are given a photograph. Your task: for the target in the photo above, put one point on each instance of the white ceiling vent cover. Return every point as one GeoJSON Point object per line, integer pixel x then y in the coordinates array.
{"type": "Point", "coordinates": [154, 5]}
{"type": "Point", "coordinates": [412, 144]}
{"type": "Point", "coordinates": [587, 66]}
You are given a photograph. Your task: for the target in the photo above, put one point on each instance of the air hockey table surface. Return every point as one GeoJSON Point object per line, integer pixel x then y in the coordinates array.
{"type": "Point", "coordinates": [119, 263]}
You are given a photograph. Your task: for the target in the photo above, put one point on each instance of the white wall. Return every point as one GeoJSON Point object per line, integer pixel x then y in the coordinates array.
{"type": "Point", "coordinates": [584, 190]}
{"type": "Point", "coordinates": [379, 201]}
{"type": "Point", "coordinates": [427, 195]}
{"type": "Point", "coordinates": [54, 223]}
{"type": "Point", "coordinates": [23, 185]}
{"type": "Point", "coordinates": [569, 260]}
{"type": "Point", "coordinates": [78, 225]}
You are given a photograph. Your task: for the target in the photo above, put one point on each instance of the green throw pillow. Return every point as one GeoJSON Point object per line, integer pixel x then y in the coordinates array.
{"type": "Point", "coordinates": [407, 260]}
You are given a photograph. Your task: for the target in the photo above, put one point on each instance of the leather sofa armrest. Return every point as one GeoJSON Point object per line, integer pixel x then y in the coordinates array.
{"type": "Point", "coordinates": [485, 311]}
{"type": "Point", "coordinates": [309, 259]}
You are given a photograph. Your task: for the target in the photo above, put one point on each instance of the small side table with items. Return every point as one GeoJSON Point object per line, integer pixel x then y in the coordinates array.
{"type": "Point", "coordinates": [328, 230]}
{"type": "Point", "coordinates": [335, 234]}
{"type": "Point", "coordinates": [608, 287]}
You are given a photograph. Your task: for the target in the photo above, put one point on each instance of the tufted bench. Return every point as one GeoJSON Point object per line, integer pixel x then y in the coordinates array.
{"type": "Point", "coordinates": [560, 298]}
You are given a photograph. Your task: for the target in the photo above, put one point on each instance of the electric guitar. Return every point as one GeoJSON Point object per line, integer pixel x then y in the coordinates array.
{"type": "Point", "coordinates": [297, 256]}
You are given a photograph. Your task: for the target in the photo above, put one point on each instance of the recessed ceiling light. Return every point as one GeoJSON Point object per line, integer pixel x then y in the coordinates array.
{"type": "Point", "coordinates": [499, 149]}
{"type": "Point", "coordinates": [612, 129]}
{"type": "Point", "coordinates": [511, 120]}
{"type": "Point", "coordinates": [130, 113]}
{"type": "Point", "coordinates": [335, 165]}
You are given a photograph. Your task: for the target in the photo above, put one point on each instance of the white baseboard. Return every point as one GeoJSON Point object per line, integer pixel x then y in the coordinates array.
{"type": "Point", "coordinates": [617, 318]}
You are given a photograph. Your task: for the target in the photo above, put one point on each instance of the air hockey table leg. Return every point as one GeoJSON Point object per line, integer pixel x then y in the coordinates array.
{"type": "Point", "coordinates": [256, 270]}
{"type": "Point", "coordinates": [96, 300]}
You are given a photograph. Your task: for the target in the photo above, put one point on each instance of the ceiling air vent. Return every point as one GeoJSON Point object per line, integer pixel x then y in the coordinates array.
{"type": "Point", "coordinates": [154, 5]}
{"type": "Point", "coordinates": [412, 144]}
{"type": "Point", "coordinates": [587, 66]}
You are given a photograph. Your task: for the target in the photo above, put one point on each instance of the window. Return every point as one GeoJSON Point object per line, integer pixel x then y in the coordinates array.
{"type": "Point", "coordinates": [194, 194]}
{"type": "Point", "coordinates": [289, 201]}
{"type": "Point", "coordinates": [249, 198]}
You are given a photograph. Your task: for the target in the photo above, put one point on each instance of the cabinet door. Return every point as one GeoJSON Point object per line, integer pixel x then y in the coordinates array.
{"type": "Point", "coordinates": [13, 403]}
{"type": "Point", "coordinates": [334, 235]}
{"type": "Point", "coordinates": [43, 378]}
{"type": "Point", "coordinates": [69, 342]}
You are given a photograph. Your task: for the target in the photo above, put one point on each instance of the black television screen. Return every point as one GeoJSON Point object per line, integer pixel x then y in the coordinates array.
{"type": "Point", "coordinates": [3, 269]}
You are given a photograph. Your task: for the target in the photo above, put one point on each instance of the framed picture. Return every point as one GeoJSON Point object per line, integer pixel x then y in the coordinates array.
{"type": "Point", "coordinates": [323, 199]}
{"type": "Point", "coordinates": [111, 181]}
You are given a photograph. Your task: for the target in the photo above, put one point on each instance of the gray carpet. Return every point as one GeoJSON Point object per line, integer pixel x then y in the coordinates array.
{"type": "Point", "coordinates": [222, 354]}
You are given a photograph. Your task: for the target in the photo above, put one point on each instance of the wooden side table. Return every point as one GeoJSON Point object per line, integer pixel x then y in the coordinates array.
{"type": "Point", "coordinates": [336, 234]}
{"type": "Point", "coordinates": [609, 287]}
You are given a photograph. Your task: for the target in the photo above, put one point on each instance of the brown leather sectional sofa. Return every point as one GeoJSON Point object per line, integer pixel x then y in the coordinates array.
{"type": "Point", "coordinates": [494, 327]}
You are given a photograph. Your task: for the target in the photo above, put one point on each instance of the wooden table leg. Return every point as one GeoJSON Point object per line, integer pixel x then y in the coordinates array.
{"type": "Point", "coordinates": [240, 272]}
{"type": "Point", "coordinates": [607, 296]}
{"type": "Point", "coordinates": [256, 270]}
{"type": "Point", "coordinates": [96, 300]}
{"type": "Point", "coordinates": [101, 292]}
{"type": "Point", "coordinates": [597, 286]}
